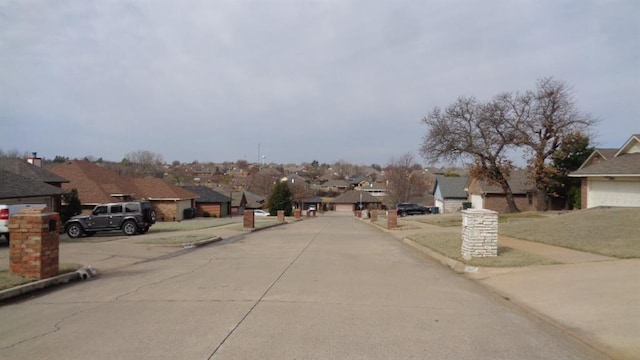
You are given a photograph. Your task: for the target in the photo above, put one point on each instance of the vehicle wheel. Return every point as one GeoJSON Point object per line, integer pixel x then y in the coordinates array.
{"type": "Point", "coordinates": [143, 230]}
{"type": "Point", "coordinates": [129, 228]}
{"type": "Point", "coordinates": [74, 231]}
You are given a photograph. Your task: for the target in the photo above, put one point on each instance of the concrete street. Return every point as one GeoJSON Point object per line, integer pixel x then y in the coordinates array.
{"type": "Point", "coordinates": [327, 288]}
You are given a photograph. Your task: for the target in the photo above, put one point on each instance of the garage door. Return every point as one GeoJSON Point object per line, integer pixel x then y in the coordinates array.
{"type": "Point", "coordinates": [344, 208]}
{"type": "Point", "coordinates": [613, 193]}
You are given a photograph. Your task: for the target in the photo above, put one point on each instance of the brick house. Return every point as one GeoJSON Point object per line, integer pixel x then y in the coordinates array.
{"type": "Point", "coordinates": [484, 195]}
{"type": "Point", "coordinates": [210, 201]}
{"type": "Point", "coordinates": [352, 199]}
{"type": "Point", "coordinates": [98, 185]}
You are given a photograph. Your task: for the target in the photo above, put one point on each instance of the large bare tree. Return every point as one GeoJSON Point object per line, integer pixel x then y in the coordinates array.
{"type": "Point", "coordinates": [481, 133]}
{"type": "Point", "coordinates": [406, 181]}
{"type": "Point", "coordinates": [144, 163]}
{"type": "Point", "coordinates": [550, 118]}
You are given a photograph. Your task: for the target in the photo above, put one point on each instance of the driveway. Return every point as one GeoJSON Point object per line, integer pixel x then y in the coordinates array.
{"type": "Point", "coordinates": [328, 288]}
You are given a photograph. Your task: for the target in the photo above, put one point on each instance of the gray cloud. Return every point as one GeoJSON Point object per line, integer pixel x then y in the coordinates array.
{"type": "Point", "coordinates": [325, 80]}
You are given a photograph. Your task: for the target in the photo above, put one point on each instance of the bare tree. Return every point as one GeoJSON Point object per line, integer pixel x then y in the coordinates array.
{"type": "Point", "coordinates": [261, 182]}
{"type": "Point", "coordinates": [551, 118]}
{"type": "Point", "coordinates": [406, 181]}
{"type": "Point", "coordinates": [479, 132]}
{"type": "Point", "coordinates": [144, 163]}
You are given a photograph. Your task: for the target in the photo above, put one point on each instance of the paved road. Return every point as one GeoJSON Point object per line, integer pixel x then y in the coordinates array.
{"type": "Point", "coordinates": [327, 288]}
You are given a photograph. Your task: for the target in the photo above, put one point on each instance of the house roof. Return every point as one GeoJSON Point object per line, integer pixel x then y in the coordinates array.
{"type": "Point", "coordinates": [625, 162]}
{"type": "Point", "coordinates": [207, 195]}
{"type": "Point", "coordinates": [354, 197]}
{"type": "Point", "coordinates": [98, 184]}
{"type": "Point", "coordinates": [518, 181]}
{"type": "Point", "coordinates": [621, 165]}
{"type": "Point", "coordinates": [23, 168]}
{"type": "Point", "coordinates": [158, 189]}
{"type": "Point", "coordinates": [336, 183]}
{"type": "Point", "coordinates": [451, 187]}
{"type": "Point", "coordinates": [17, 186]}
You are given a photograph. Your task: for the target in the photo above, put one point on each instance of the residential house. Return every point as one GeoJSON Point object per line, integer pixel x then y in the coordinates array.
{"type": "Point", "coordinates": [19, 189]}
{"type": "Point", "coordinates": [449, 193]}
{"type": "Point", "coordinates": [210, 201]}
{"type": "Point", "coordinates": [98, 184]}
{"type": "Point", "coordinates": [241, 200]}
{"type": "Point", "coordinates": [337, 186]}
{"type": "Point", "coordinates": [31, 170]}
{"type": "Point", "coordinates": [353, 200]}
{"type": "Point", "coordinates": [611, 178]}
{"type": "Point", "coordinates": [490, 196]}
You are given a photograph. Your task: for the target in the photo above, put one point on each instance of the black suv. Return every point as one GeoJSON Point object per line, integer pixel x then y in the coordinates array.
{"type": "Point", "coordinates": [133, 217]}
{"type": "Point", "coordinates": [405, 209]}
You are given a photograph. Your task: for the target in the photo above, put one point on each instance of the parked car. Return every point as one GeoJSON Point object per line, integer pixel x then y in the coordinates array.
{"type": "Point", "coordinates": [260, 213]}
{"type": "Point", "coordinates": [6, 210]}
{"type": "Point", "coordinates": [133, 217]}
{"type": "Point", "coordinates": [404, 209]}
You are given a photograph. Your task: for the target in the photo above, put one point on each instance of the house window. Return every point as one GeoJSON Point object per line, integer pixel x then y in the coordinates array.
{"type": "Point", "coordinates": [530, 198]}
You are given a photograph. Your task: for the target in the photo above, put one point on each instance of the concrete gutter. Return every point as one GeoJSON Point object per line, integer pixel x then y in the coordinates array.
{"type": "Point", "coordinates": [39, 284]}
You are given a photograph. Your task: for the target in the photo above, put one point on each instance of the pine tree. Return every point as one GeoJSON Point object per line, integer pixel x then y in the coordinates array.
{"type": "Point", "coordinates": [280, 199]}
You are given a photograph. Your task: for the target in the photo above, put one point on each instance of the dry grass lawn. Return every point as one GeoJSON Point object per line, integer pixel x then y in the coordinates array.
{"type": "Point", "coordinates": [606, 231]}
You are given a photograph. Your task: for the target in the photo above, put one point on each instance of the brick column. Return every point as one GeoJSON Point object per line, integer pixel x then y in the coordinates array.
{"type": "Point", "coordinates": [34, 246]}
{"type": "Point", "coordinates": [392, 219]}
{"type": "Point", "coordinates": [248, 219]}
{"type": "Point", "coordinates": [281, 216]}
{"type": "Point", "coordinates": [298, 214]}
{"type": "Point", "coordinates": [373, 215]}
{"type": "Point", "coordinates": [584, 190]}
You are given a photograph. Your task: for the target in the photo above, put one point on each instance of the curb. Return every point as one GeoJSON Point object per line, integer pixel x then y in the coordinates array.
{"type": "Point", "coordinates": [39, 284]}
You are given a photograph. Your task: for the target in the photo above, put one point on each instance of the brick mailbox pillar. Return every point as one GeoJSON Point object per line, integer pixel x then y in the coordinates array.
{"type": "Point", "coordinates": [281, 216]}
{"type": "Point", "coordinates": [248, 219]}
{"type": "Point", "coordinates": [298, 214]}
{"type": "Point", "coordinates": [373, 215]}
{"type": "Point", "coordinates": [479, 233]}
{"type": "Point", "coordinates": [34, 246]}
{"type": "Point", "coordinates": [392, 219]}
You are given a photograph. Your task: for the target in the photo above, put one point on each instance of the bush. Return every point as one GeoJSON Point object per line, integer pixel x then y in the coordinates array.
{"type": "Point", "coordinates": [206, 214]}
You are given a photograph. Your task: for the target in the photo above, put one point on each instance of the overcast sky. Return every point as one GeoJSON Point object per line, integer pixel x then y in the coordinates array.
{"type": "Point", "coordinates": [297, 80]}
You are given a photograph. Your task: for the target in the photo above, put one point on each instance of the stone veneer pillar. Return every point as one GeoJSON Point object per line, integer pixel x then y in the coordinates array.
{"type": "Point", "coordinates": [281, 216]}
{"type": "Point", "coordinates": [479, 233]}
{"type": "Point", "coordinates": [34, 246]}
{"type": "Point", "coordinates": [248, 220]}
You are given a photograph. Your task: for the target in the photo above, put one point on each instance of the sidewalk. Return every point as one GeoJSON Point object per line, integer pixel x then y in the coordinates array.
{"type": "Point", "coordinates": [594, 298]}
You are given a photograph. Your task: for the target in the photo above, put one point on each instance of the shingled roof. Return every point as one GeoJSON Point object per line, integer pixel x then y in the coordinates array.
{"type": "Point", "coordinates": [98, 184]}
{"type": "Point", "coordinates": [518, 181]}
{"type": "Point", "coordinates": [206, 194]}
{"type": "Point", "coordinates": [17, 186]}
{"type": "Point", "coordinates": [23, 168]}
{"type": "Point", "coordinates": [354, 197]}
{"type": "Point", "coordinates": [451, 187]}
{"type": "Point", "coordinates": [624, 162]}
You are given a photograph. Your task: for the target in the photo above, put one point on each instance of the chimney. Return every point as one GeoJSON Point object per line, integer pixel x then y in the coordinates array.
{"type": "Point", "coordinates": [35, 160]}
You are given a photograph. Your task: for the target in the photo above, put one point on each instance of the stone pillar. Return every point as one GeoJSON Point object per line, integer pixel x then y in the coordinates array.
{"type": "Point", "coordinates": [373, 215]}
{"type": "Point", "coordinates": [392, 219]}
{"type": "Point", "coordinates": [298, 214]}
{"type": "Point", "coordinates": [34, 248]}
{"type": "Point", "coordinates": [281, 216]}
{"type": "Point", "coordinates": [248, 220]}
{"type": "Point", "coordinates": [479, 233]}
